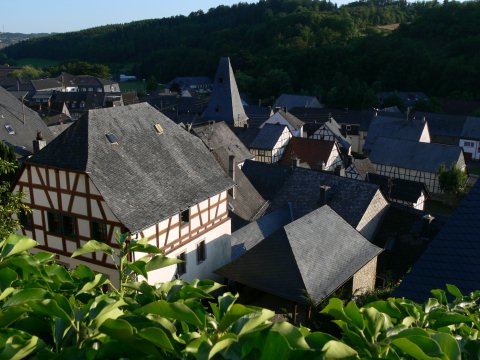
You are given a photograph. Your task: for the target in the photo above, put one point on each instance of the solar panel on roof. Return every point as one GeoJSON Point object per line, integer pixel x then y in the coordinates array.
{"type": "Point", "coordinates": [112, 138]}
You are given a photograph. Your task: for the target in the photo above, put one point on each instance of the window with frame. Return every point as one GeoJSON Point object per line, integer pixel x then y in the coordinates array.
{"type": "Point", "coordinates": [98, 231]}
{"type": "Point", "coordinates": [182, 267]}
{"type": "Point", "coordinates": [61, 224]}
{"type": "Point", "coordinates": [468, 144]}
{"type": "Point", "coordinates": [201, 252]}
{"type": "Point", "coordinates": [184, 217]}
{"type": "Point", "coordinates": [26, 220]}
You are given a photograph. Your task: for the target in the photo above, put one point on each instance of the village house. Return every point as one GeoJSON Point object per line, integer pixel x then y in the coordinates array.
{"type": "Point", "coordinates": [270, 143]}
{"type": "Point", "coordinates": [289, 101]}
{"type": "Point", "coordinates": [312, 154]}
{"type": "Point", "coordinates": [413, 160]}
{"type": "Point", "coordinates": [20, 126]}
{"type": "Point", "coordinates": [129, 169]}
{"type": "Point", "coordinates": [332, 131]}
{"type": "Point", "coordinates": [305, 260]}
{"type": "Point", "coordinates": [470, 138]}
{"type": "Point", "coordinates": [282, 117]}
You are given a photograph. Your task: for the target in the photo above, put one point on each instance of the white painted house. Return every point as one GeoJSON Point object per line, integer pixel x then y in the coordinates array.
{"type": "Point", "coordinates": [470, 138]}
{"type": "Point", "coordinates": [270, 143]}
{"type": "Point", "coordinates": [129, 169]}
{"type": "Point", "coordinates": [295, 125]}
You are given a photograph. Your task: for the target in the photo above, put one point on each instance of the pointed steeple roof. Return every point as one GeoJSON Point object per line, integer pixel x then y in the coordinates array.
{"type": "Point", "coordinates": [225, 103]}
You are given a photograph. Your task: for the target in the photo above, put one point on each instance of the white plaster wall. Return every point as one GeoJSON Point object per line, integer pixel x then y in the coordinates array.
{"type": "Point", "coordinates": [372, 216]}
{"type": "Point", "coordinates": [425, 137]}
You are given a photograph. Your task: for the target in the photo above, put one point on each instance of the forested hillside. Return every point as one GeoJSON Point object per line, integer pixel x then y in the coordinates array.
{"type": "Point", "coordinates": [340, 53]}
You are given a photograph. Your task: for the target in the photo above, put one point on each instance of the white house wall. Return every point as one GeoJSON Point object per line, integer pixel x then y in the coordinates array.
{"type": "Point", "coordinates": [471, 147]}
{"type": "Point", "coordinates": [429, 179]}
{"type": "Point", "coordinates": [277, 118]}
{"type": "Point", "coordinates": [334, 159]}
{"type": "Point", "coordinates": [425, 137]}
{"type": "Point", "coordinates": [370, 221]}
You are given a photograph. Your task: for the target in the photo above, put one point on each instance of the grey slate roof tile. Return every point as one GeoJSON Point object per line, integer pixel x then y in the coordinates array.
{"type": "Point", "coordinates": [471, 128]}
{"type": "Point", "coordinates": [414, 155]}
{"type": "Point", "coordinates": [453, 257]}
{"type": "Point", "coordinates": [316, 253]}
{"type": "Point", "coordinates": [147, 177]}
{"type": "Point", "coordinates": [268, 136]}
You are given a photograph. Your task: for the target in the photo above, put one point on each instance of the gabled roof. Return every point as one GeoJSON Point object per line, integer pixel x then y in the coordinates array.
{"type": "Point", "coordinates": [225, 103]}
{"type": "Point", "coordinates": [294, 122]}
{"type": "Point", "coordinates": [257, 115]}
{"type": "Point", "coordinates": [442, 124]}
{"type": "Point", "coordinates": [453, 257]}
{"type": "Point", "coordinates": [414, 155]}
{"type": "Point", "coordinates": [268, 179]}
{"type": "Point", "coordinates": [25, 131]}
{"type": "Point", "coordinates": [393, 127]}
{"type": "Point", "coordinates": [268, 136]}
{"type": "Point", "coordinates": [216, 135]}
{"type": "Point", "coordinates": [348, 197]}
{"type": "Point", "coordinates": [316, 253]}
{"type": "Point", "coordinates": [148, 176]}
{"type": "Point", "coordinates": [471, 129]}
{"type": "Point", "coordinates": [290, 101]}
{"type": "Point", "coordinates": [250, 235]}
{"type": "Point", "coordinates": [186, 81]}
{"type": "Point", "coordinates": [46, 84]}
{"type": "Point", "coordinates": [335, 128]}
{"type": "Point", "coordinates": [398, 189]}
{"type": "Point", "coordinates": [309, 151]}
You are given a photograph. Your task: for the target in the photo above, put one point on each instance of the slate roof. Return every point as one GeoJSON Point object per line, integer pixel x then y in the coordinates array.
{"type": "Point", "coordinates": [257, 115]}
{"type": "Point", "coordinates": [225, 103]}
{"type": "Point", "coordinates": [46, 84]}
{"type": "Point", "coordinates": [316, 253]}
{"type": "Point", "coordinates": [250, 235]}
{"type": "Point", "coordinates": [453, 257]}
{"type": "Point", "coordinates": [216, 135]}
{"type": "Point", "coordinates": [145, 178]}
{"type": "Point", "coordinates": [290, 101]}
{"type": "Point", "coordinates": [309, 151]}
{"type": "Point", "coordinates": [471, 128]}
{"type": "Point", "coordinates": [414, 155]}
{"type": "Point", "coordinates": [268, 179]}
{"type": "Point", "coordinates": [348, 197]}
{"type": "Point", "coordinates": [393, 127]}
{"type": "Point", "coordinates": [442, 125]}
{"type": "Point", "coordinates": [335, 128]}
{"type": "Point", "coordinates": [295, 122]}
{"type": "Point", "coordinates": [398, 189]}
{"type": "Point", "coordinates": [268, 136]}
{"type": "Point", "coordinates": [11, 113]}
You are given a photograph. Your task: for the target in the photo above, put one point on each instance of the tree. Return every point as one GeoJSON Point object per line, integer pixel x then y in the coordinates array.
{"type": "Point", "coordinates": [452, 180]}
{"type": "Point", "coordinates": [28, 72]}
{"type": "Point", "coordinates": [152, 84]}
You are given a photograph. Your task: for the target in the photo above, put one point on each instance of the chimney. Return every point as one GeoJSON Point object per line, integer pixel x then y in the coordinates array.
{"type": "Point", "coordinates": [231, 173]}
{"type": "Point", "coordinates": [324, 191]}
{"type": "Point", "coordinates": [39, 143]}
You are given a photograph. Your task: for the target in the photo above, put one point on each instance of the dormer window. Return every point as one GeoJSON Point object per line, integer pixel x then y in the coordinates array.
{"type": "Point", "coordinates": [112, 138]}
{"type": "Point", "coordinates": [10, 129]}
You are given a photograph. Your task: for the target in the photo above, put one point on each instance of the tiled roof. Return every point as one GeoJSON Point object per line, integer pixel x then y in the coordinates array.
{"type": "Point", "coordinates": [453, 257]}
{"type": "Point", "coordinates": [471, 128]}
{"type": "Point", "coordinates": [268, 179]}
{"type": "Point", "coordinates": [442, 125]}
{"type": "Point", "coordinates": [146, 177]}
{"type": "Point", "coordinates": [315, 254]}
{"type": "Point", "coordinates": [414, 155]}
{"type": "Point", "coordinates": [290, 101]}
{"type": "Point", "coordinates": [295, 122]}
{"type": "Point", "coordinates": [309, 151]}
{"type": "Point", "coordinates": [268, 136]}
{"type": "Point", "coordinates": [257, 115]}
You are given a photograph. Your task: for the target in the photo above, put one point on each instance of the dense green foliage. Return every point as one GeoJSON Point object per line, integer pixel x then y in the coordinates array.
{"type": "Point", "coordinates": [452, 180]}
{"type": "Point", "coordinates": [303, 46]}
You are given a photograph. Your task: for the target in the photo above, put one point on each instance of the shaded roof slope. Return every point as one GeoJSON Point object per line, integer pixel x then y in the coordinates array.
{"type": "Point", "coordinates": [316, 253]}
{"type": "Point", "coordinates": [399, 189]}
{"type": "Point", "coordinates": [414, 155]}
{"type": "Point", "coordinates": [147, 176]}
{"type": "Point", "coordinates": [471, 128]}
{"type": "Point", "coordinates": [309, 151]}
{"type": "Point", "coordinates": [12, 113]}
{"type": "Point", "coordinates": [295, 122]}
{"type": "Point", "coordinates": [268, 136]}
{"type": "Point", "coordinates": [453, 257]}
{"type": "Point", "coordinates": [268, 179]}
{"type": "Point", "coordinates": [348, 197]}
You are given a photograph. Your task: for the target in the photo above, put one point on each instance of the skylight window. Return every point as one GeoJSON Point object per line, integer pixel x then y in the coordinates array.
{"type": "Point", "coordinates": [112, 138]}
{"type": "Point", "coordinates": [158, 128]}
{"type": "Point", "coordinates": [10, 129]}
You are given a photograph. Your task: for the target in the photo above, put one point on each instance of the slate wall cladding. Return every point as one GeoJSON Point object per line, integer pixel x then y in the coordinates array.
{"type": "Point", "coordinates": [364, 279]}
{"type": "Point", "coordinates": [374, 213]}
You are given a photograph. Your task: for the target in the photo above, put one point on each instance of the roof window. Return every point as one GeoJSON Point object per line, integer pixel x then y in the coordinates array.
{"type": "Point", "coordinates": [158, 128]}
{"type": "Point", "coordinates": [10, 129]}
{"type": "Point", "coordinates": [112, 138]}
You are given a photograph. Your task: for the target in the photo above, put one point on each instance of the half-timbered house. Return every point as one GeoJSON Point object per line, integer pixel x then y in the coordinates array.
{"type": "Point", "coordinates": [129, 169]}
{"type": "Point", "coordinates": [332, 131]}
{"type": "Point", "coordinates": [295, 125]}
{"type": "Point", "coordinates": [415, 161]}
{"type": "Point", "coordinates": [270, 143]}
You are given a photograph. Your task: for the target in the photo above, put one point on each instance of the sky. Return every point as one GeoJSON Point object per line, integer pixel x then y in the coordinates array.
{"type": "Point", "coordinates": [46, 16]}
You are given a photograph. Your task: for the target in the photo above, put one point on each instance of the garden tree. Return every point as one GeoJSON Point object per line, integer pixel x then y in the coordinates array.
{"type": "Point", "coordinates": [11, 205]}
{"type": "Point", "coordinates": [8, 154]}
{"type": "Point", "coordinates": [81, 68]}
{"type": "Point", "coordinates": [152, 84]}
{"type": "Point", "coordinates": [28, 72]}
{"type": "Point", "coordinates": [452, 180]}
